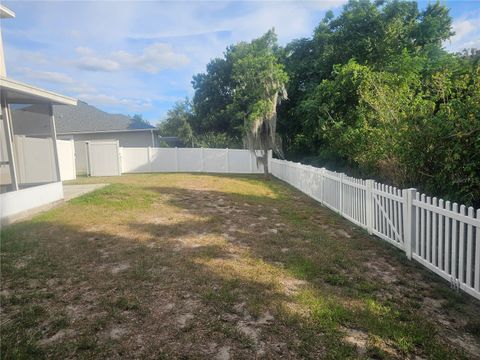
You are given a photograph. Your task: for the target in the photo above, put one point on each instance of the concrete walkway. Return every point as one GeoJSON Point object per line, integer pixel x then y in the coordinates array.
{"type": "Point", "coordinates": [72, 191]}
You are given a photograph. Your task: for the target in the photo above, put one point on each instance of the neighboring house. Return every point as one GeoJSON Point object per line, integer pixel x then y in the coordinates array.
{"type": "Point", "coordinates": [85, 122]}
{"type": "Point", "coordinates": [29, 165]}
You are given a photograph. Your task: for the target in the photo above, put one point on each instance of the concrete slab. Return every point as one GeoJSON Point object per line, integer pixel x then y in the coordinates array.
{"type": "Point", "coordinates": [72, 191]}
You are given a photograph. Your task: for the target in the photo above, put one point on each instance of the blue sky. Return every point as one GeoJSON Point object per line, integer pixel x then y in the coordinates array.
{"type": "Point", "coordinates": [139, 56]}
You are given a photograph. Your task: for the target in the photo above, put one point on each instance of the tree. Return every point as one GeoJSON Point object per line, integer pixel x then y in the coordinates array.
{"type": "Point", "coordinates": [259, 86]}
{"type": "Point", "coordinates": [213, 95]}
{"type": "Point", "coordinates": [217, 140]}
{"type": "Point", "coordinates": [138, 120]}
{"type": "Point", "coordinates": [372, 92]}
{"type": "Point", "coordinates": [177, 122]}
{"type": "Point", "coordinates": [374, 34]}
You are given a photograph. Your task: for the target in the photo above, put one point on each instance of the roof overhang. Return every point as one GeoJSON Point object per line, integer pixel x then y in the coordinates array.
{"type": "Point", "coordinates": [6, 13]}
{"type": "Point", "coordinates": [16, 92]}
{"type": "Point", "coordinates": [104, 131]}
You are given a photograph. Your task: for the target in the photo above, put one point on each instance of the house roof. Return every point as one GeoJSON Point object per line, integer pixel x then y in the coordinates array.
{"type": "Point", "coordinates": [85, 118]}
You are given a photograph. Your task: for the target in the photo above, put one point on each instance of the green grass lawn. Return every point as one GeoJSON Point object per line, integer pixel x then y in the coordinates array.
{"type": "Point", "coordinates": [203, 266]}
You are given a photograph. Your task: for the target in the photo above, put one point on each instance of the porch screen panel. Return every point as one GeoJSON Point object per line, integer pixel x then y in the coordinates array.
{"type": "Point", "coordinates": [5, 179]}
{"type": "Point", "coordinates": [33, 144]}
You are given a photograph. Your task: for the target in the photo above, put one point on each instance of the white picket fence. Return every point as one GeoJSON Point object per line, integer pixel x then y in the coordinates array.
{"type": "Point", "coordinates": [443, 237]}
{"type": "Point", "coordinates": [149, 159]}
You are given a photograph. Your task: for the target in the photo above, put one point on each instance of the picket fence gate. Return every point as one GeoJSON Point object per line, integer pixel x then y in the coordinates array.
{"type": "Point", "coordinates": [443, 237]}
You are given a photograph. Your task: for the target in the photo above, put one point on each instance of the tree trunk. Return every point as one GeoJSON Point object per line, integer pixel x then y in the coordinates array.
{"type": "Point", "coordinates": [265, 165]}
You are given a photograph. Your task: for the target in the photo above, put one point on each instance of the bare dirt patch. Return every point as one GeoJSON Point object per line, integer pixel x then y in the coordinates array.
{"type": "Point", "coordinates": [119, 268]}
{"type": "Point", "coordinates": [358, 339]}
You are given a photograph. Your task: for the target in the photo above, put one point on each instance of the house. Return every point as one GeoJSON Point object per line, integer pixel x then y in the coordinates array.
{"type": "Point", "coordinates": [85, 122]}
{"type": "Point", "coordinates": [29, 165]}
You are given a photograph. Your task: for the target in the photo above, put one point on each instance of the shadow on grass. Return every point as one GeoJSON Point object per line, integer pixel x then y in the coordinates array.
{"type": "Point", "coordinates": [70, 293]}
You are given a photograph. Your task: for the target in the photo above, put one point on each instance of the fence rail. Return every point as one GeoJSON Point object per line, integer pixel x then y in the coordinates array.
{"type": "Point", "coordinates": [443, 237]}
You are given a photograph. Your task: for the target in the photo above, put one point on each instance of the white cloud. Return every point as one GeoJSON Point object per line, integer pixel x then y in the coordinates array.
{"type": "Point", "coordinates": [16, 56]}
{"type": "Point", "coordinates": [126, 40]}
{"type": "Point", "coordinates": [154, 58]}
{"type": "Point", "coordinates": [80, 88]}
{"type": "Point", "coordinates": [47, 76]}
{"type": "Point", "coordinates": [100, 99]}
{"type": "Point", "coordinates": [467, 34]}
{"type": "Point", "coordinates": [463, 28]}
{"type": "Point", "coordinates": [88, 61]}
{"type": "Point", "coordinates": [290, 18]}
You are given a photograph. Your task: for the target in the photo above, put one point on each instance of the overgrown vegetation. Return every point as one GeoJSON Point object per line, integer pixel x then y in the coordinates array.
{"type": "Point", "coordinates": [372, 92]}
{"type": "Point", "coordinates": [193, 266]}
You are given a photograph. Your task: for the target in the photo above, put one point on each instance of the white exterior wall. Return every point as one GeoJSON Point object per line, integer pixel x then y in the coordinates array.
{"type": "Point", "coordinates": [14, 203]}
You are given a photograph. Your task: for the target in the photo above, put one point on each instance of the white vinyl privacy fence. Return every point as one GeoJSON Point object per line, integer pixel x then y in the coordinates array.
{"type": "Point", "coordinates": [66, 159]}
{"type": "Point", "coordinates": [103, 158]}
{"type": "Point", "coordinates": [148, 159]}
{"type": "Point", "coordinates": [443, 237]}
{"type": "Point", "coordinates": [36, 162]}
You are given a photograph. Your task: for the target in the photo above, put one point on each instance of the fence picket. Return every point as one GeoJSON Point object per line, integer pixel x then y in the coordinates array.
{"type": "Point", "coordinates": [469, 250]}
{"type": "Point", "coordinates": [401, 214]}
{"type": "Point", "coordinates": [461, 247]}
{"type": "Point", "coordinates": [438, 234]}
{"type": "Point", "coordinates": [434, 233]}
{"type": "Point", "coordinates": [477, 255]}
{"type": "Point", "coordinates": [454, 242]}
{"type": "Point", "coordinates": [382, 209]}
{"type": "Point", "coordinates": [418, 213]}
{"type": "Point", "coordinates": [423, 228]}
{"type": "Point", "coordinates": [428, 237]}
{"type": "Point", "coordinates": [448, 241]}
{"type": "Point", "coordinates": [441, 234]}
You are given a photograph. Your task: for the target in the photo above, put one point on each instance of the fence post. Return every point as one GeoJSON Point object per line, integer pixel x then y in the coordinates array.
{"type": "Point", "coordinates": [176, 159]}
{"type": "Point", "coordinates": [251, 162]}
{"type": "Point", "coordinates": [74, 164]}
{"type": "Point", "coordinates": [149, 159]}
{"type": "Point", "coordinates": [341, 193]}
{"type": "Point", "coordinates": [269, 161]}
{"type": "Point", "coordinates": [322, 173]}
{"type": "Point", "coordinates": [202, 160]}
{"type": "Point", "coordinates": [119, 158]}
{"type": "Point", "coordinates": [409, 220]}
{"type": "Point", "coordinates": [369, 206]}
{"type": "Point", "coordinates": [227, 160]}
